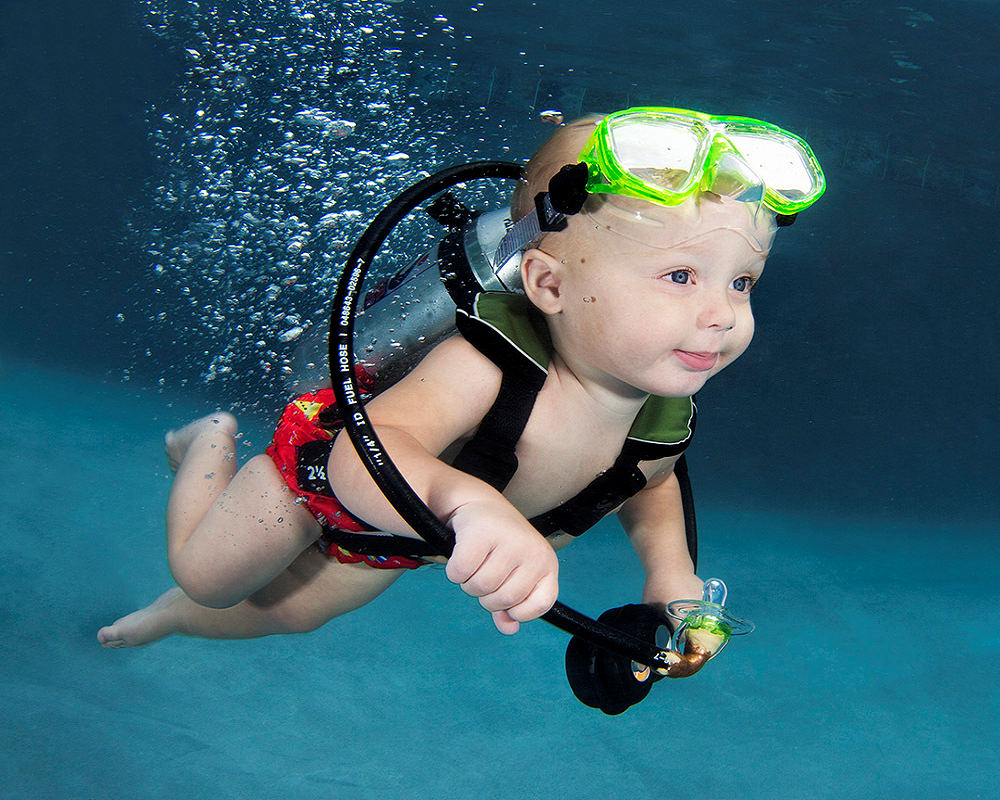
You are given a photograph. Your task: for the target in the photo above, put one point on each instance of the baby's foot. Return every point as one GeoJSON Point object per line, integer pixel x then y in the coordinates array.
{"type": "Point", "coordinates": [143, 626]}
{"type": "Point", "coordinates": [177, 442]}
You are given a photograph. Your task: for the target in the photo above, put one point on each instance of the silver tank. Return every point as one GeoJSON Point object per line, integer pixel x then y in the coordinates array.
{"type": "Point", "coordinates": [404, 316]}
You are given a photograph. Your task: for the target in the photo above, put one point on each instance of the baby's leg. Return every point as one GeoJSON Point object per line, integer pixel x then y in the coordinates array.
{"type": "Point", "coordinates": [203, 455]}
{"type": "Point", "coordinates": [313, 590]}
{"type": "Point", "coordinates": [224, 542]}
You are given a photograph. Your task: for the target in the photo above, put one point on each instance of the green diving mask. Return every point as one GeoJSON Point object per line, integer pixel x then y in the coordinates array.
{"type": "Point", "coordinates": [665, 156]}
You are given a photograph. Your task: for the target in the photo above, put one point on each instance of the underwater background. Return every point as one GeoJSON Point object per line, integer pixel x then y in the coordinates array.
{"type": "Point", "coordinates": [181, 182]}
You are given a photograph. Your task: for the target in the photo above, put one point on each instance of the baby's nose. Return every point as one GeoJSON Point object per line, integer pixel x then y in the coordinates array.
{"type": "Point", "coordinates": [717, 312]}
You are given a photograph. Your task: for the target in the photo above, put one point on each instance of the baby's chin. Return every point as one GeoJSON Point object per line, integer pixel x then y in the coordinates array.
{"type": "Point", "coordinates": [675, 386]}
{"type": "Point", "coordinates": [685, 383]}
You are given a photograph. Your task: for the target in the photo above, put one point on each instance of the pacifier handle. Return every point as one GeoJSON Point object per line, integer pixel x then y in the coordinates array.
{"type": "Point", "coordinates": [714, 591]}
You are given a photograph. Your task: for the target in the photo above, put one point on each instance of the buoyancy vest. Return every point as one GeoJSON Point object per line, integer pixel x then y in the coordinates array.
{"type": "Point", "coordinates": [509, 331]}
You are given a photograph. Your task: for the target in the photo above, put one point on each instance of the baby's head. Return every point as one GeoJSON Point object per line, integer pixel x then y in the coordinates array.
{"type": "Point", "coordinates": [653, 225]}
{"type": "Point", "coordinates": [648, 282]}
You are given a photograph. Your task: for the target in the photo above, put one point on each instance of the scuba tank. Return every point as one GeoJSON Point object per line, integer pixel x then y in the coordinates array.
{"type": "Point", "coordinates": [405, 315]}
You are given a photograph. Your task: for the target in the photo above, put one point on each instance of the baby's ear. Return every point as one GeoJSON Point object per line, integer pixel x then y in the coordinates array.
{"type": "Point", "coordinates": [542, 277]}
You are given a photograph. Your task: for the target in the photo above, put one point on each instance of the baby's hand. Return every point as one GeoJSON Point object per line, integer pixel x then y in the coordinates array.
{"type": "Point", "coordinates": [503, 561]}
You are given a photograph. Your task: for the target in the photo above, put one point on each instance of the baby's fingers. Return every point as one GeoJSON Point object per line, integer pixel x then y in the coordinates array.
{"type": "Point", "coordinates": [466, 561]}
{"type": "Point", "coordinates": [505, 623]}
{"type": "Point", "coordinates": [513, 603]}
{"type": "Point", "coordinates": [539, 600]}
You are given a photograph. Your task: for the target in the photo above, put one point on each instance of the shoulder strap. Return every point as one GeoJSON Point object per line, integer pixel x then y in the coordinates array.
{"type": "Point", "coordinates": [490, 455]}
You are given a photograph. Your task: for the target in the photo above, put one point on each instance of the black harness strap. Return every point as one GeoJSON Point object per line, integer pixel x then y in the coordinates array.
{"type": "Point", "coordinates": [598, 499]}
{"type": "Point", "coordinates": [490, 455]}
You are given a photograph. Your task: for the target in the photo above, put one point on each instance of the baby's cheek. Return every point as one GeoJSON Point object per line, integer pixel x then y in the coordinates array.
{"type": "Point", "coordinates": [738, 346]}
{"type": "Point", "coordinates": [747, 329]}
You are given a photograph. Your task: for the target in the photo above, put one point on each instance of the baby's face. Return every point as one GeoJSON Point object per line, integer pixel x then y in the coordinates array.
{"type": "Point", "coordinates": [662, 312]}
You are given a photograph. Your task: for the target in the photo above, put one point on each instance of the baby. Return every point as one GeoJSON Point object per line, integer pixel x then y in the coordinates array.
{"type": "Point", "coordinates": [627, 311]}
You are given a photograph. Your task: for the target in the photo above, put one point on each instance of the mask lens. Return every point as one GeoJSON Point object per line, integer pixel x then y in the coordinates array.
{"type": "Point", "coordinates": [661, 153]}
{"type": "Point", "coordinates": [781, 165]}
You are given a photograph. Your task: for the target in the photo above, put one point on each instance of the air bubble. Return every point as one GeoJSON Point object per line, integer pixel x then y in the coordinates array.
{"type": "Point", "coordinates": [291, 333]}
{"type": "Point", "coordinates": [339, 128]}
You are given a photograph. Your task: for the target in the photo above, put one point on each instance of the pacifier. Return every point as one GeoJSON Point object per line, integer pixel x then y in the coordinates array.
{"type": "Point", "coordinates": [706, 624]}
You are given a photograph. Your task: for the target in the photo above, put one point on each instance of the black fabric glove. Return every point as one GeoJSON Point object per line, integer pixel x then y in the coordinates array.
{"type": "Point", "coordinates": [605, 680]}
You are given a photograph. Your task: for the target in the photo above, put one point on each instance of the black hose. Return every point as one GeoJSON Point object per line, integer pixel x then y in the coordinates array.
{"type": "Point", "coordinates": [361, 432]}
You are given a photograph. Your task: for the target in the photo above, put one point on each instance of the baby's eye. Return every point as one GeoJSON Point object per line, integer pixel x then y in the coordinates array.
{"type": "Point", "coordinates": [681, 276]}
{"type": "Point", "coordinates": [744, 284]}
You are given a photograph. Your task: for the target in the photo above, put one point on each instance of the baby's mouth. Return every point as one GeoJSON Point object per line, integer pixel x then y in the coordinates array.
{"type": "Point", "coordinates": [697, 361]}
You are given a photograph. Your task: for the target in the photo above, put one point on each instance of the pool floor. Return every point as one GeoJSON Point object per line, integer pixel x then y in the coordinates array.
{"type": "Point", "coordinates": [872, 672]}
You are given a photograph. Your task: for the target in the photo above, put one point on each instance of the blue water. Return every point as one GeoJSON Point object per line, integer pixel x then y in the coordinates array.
{"type": "Point", "coordinates": [845, 468]}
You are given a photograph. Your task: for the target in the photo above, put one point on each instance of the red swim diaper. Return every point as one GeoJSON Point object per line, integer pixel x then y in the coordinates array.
{"type": "Point", "coordinates": [300, 449]}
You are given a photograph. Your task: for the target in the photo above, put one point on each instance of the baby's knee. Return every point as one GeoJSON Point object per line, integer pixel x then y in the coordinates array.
{"type": "Point", "coordinates": [203, 588]}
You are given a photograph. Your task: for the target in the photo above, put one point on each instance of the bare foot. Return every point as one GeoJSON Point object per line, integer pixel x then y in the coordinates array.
{"type": "Point", "coordinates": [143, 626]}
{"type": "Point", "coordinates": [177, 442]}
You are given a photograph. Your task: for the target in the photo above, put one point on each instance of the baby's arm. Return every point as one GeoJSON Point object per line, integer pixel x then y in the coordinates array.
{"type": "Point", "coordinates": [654, 522]}
{"type": "Point", "coordinates": [498, 556]}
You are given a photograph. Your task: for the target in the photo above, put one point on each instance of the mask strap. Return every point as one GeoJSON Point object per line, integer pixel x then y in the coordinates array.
{"type": "Point", "coordinates": [566, 195]}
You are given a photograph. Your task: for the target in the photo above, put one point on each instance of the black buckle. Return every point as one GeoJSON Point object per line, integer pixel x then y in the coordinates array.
{"type": "Point", "coordinates": [566, 195]}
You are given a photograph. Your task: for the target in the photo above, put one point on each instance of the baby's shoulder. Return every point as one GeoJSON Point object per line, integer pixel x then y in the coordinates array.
{"type": "Point", "coordinates": [453, 372]}
{"type": "Point", "coordinates": [455, 360]}
{"type": "Point", "coordinates": [443, 398]}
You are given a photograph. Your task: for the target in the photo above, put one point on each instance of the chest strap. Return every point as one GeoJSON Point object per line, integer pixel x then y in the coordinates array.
{"type": "Point", "coordinates": [600, 497]}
